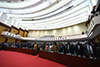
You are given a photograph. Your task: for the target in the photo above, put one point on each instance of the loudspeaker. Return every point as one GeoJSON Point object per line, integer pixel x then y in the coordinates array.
{"type": "Point", "coordinates": [82, 33]}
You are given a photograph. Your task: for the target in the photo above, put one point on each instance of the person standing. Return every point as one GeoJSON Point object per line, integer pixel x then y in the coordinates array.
{"type": "Point", "coordinates": [88, 50]}
{"type": "Point", "coordinates": [97, 50]}
{"type": "Point", "coordinates": [61, 48]}
{"type": "Point", "coordinates": [46, 47]}
{"type": "Point", "coordinates": [67, 46]}
{"type": "Point", "coordinates": [51, 47]}
{"type": "Point", "coordinates": [55, 47]}
{"type": "Point", "coordinates": [35, 48]}
{"type": "Point", "coordinates": [79, 50]}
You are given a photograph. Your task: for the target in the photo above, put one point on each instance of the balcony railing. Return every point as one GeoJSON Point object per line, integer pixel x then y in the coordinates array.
{"type": "Point", "coordinates": [71, 37]}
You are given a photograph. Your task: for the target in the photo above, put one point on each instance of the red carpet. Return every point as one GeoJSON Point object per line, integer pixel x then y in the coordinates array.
{"type": "Point", "coordinates": [16, 59]}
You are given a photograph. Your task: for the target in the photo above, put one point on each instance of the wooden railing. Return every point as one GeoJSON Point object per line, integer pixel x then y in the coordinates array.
{"type": "Point", "coordinates": [69, 60]}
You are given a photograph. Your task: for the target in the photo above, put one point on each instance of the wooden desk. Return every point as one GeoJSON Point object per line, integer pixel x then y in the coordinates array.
{"type": "Point", "coordinates": [28, 51]}
{"type": "Point", "coordinates": [68, 60]}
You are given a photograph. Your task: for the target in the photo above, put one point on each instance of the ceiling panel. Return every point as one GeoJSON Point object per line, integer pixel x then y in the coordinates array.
{"type": "Point", "coordinates": [47, 14]}
{"type": "Point", "coordinates": [9, 1]}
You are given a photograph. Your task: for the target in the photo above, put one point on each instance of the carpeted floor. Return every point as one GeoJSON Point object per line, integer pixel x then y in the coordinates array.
{"type": "Point", "coordinates": [16, 59]}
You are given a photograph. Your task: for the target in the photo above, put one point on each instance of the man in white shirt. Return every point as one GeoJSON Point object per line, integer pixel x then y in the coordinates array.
{"type": "Point", "coordinates": [51, 47]}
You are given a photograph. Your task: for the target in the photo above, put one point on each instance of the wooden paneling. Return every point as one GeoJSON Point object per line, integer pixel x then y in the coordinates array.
{"type": "Point", "coordinates": [21, 32]}
{"type": "Point", "coordinates": [2, 39]}
{"type": "Point", "coordinates": [27, 51]}
{"type": "Point", "coordinates": [68, 60]}
{"type": "Point", "coordinates": [10, 40]}
{"type": "Point", "coordinates": [2, 29]}
{"type": "Point", "coordinates": [14, 31]}
{"type": "Point", "coordinates": [25, 34]}
{"type": "Point", "coordinates": [18, 41]}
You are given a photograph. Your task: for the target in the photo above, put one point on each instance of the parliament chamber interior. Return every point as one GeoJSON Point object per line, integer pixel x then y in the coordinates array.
{"type": "Point", "coordinates": [49, 33]}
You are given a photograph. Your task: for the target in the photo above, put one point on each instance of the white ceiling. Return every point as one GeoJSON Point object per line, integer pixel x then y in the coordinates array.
{"type": "Point", "coordinates": [48, 14]}
{"type": "Point", "coordinates": [11, 0]}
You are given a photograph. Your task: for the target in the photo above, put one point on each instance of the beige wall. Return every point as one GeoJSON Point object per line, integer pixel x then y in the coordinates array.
{"type": "Point", "coordinates": [3, 18]}
{"type": "Point", "coordinates": [71, 30]}
{"type": "Point", "coordinates": [2, 39]}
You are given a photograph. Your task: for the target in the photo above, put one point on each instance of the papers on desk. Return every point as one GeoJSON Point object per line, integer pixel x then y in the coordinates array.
{"type": "Point", "coordinates": [61, 53]}
{"type": "Point", "coordinates": [52, 51]}
{"type": "Point", "coordinates": [79, 55]}
{"type": "Point", "coordinates": [83, 56]}
{"type": "Point", "coordinates": [26, 47]}
{"type": "Point", "coordinates": [68, 53]}
{"type": "Point", "coordinates": [23, 47]}
{"type": "Point", "coordinates": [91, 57]}
{"type": "Point", "coordinates": [73, 55]}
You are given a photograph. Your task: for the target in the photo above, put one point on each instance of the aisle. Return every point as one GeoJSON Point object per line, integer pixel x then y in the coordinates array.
{"type": "Point", "coordinates": [16, 59]}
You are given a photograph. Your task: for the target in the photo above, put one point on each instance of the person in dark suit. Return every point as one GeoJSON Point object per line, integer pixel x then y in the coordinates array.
{"type": "Point", "coordinates": [17, 45]}
{"type": "Point", "coordinates": [67, 46]}
{"type": "Point", "coordinates": [24, 45]}
{"type": "Point", "coordinates": [79, 50]}
{"type": "Point", "coordinates": [43, 46]}
{"type": "Point", "coordinates": [61, 48]}
{"type": "Point", "coordinates": [32, 45]}
{"type": "Point", "coordinates": [21, 45]}
{"type": "Point", "coordinates": [97, 50]}
{"type": "Point", "coordinates": [29, 45]}
{"type": "Point", "coordinates": [38, 47]}
{"type": "Point", "coordinates": [88, 50]}
{"type": "Point", "coordinates": [71, 48]}
{"type": "Point", "coordinates": [2, 46]}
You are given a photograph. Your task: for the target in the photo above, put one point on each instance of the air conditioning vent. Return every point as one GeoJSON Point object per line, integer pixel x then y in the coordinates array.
{"type": "Point", "coordinates": [27, 19]}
